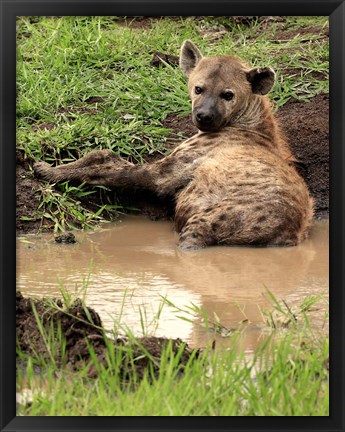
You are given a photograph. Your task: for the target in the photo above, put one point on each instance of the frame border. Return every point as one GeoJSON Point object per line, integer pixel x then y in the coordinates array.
{"type": "Point", "coordinates": [9, 9]}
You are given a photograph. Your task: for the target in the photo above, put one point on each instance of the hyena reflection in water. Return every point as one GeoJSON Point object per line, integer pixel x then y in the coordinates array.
{"type": "Point", "coordinates": [233, 182]}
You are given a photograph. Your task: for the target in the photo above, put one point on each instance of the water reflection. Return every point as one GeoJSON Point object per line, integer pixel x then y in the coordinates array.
{"type": "Point", "coordinates": [131, 265]}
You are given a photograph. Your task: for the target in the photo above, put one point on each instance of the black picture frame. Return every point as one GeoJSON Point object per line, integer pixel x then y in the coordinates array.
{"type": "Point", "coordinates": [9, 9]}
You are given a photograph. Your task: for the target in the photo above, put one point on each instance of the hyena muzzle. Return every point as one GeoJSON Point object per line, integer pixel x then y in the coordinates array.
{"type": "Point", "coordinates": [234, 182]}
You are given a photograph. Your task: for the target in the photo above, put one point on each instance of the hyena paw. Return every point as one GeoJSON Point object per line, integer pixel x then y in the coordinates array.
{"type": "Point", "coordinates": [46, 172]}
{"type": "Point", "coordinates": [42, 170]}
{"type": "Point", "coordinates": [191, 242]}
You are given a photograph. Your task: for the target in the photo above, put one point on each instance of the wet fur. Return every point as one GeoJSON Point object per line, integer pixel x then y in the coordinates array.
{"type": "Point", "coordinates": [233, 184]}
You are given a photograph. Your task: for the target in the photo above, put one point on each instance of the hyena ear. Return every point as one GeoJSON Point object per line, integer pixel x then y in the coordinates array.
{"type": "Point", "coordinates": [189, 57]}
{"type": "Point", "coordinates": [261, 79]}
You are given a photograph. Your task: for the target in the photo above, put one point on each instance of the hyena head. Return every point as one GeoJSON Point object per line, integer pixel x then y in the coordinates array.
{"type": "Point", "coordinates": [221, 88]}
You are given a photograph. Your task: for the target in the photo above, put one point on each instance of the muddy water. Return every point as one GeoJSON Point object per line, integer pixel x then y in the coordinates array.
{"type": "Point", "coordinates": [130, 265]}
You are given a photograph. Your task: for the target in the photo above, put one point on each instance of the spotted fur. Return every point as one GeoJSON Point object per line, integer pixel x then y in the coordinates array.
{"type": "Point", "coordinates": [233, 182]}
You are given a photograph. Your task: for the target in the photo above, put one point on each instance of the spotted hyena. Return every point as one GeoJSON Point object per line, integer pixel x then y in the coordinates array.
{"type": "Point", "coordinates": [233, 182]}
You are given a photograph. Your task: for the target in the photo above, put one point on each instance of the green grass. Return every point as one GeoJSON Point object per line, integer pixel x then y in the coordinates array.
{"type": "Point", "coordinates": [286, 375]}
{"type": "Point", "coordinates": [219, 384]}
{"type": "Point", "coordinates": [62, 204]}
{"type": "Point", "coordinates": [63, 62]}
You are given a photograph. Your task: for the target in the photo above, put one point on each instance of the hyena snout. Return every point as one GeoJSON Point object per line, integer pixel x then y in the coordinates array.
{"type": "Point", "coordinates": [204, 118]}
{"type": "Point", "coordinates": [207, 117]}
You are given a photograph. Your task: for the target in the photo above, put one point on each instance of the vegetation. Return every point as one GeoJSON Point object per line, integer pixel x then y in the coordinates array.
{"type": "Point", "coordinates": [86, 83]}
{"type": "Point", "coordinates": [287, 375]}
{"type": "Point", "coordinates": [220, 385]}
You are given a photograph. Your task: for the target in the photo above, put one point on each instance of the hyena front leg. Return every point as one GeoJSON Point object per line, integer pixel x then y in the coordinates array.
{"type": "Point", "coordinates": [103, 167]}
{"type": "Point", "coordinates": [93, 168]}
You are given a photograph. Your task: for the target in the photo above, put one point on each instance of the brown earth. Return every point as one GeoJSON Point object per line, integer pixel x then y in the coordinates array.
{"type": "Point", "coordinates": [82, 327]}
{"type": "Point", "coordinates": [159, 58]}
{"type": "Point", "coordinates": [26, 200]}
{"type": "Point", "coordinates": [306, 31]}
{"type": "Point", "coordinates": [306, 126]}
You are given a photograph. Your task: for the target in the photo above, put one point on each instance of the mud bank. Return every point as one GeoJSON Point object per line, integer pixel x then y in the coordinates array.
{"type": "Point", "coordinates": [81, 326]}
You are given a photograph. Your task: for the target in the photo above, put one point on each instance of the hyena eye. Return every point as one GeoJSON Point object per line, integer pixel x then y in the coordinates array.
{"type": "Point", "coordinates": [228, 95]}
{"type": "Point", "coordinates": [198, 90]}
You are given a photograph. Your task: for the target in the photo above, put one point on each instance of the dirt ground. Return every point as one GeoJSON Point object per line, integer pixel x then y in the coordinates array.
{"type": "Point", "coordinates": [306, 126]}
{"type": "Point", "coordinates": [81, 327]}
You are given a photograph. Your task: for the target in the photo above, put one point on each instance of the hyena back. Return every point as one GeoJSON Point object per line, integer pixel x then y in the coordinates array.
{"type": "Point", "coordinates": [233, 182]}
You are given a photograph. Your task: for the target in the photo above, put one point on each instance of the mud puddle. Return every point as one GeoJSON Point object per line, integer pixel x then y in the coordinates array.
{"type": "Point", "coordinates": [129, 266]}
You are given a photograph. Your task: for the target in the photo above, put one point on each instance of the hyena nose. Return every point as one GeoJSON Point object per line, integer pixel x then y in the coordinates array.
{"type": "Point", "coordinates": [204, 118]}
